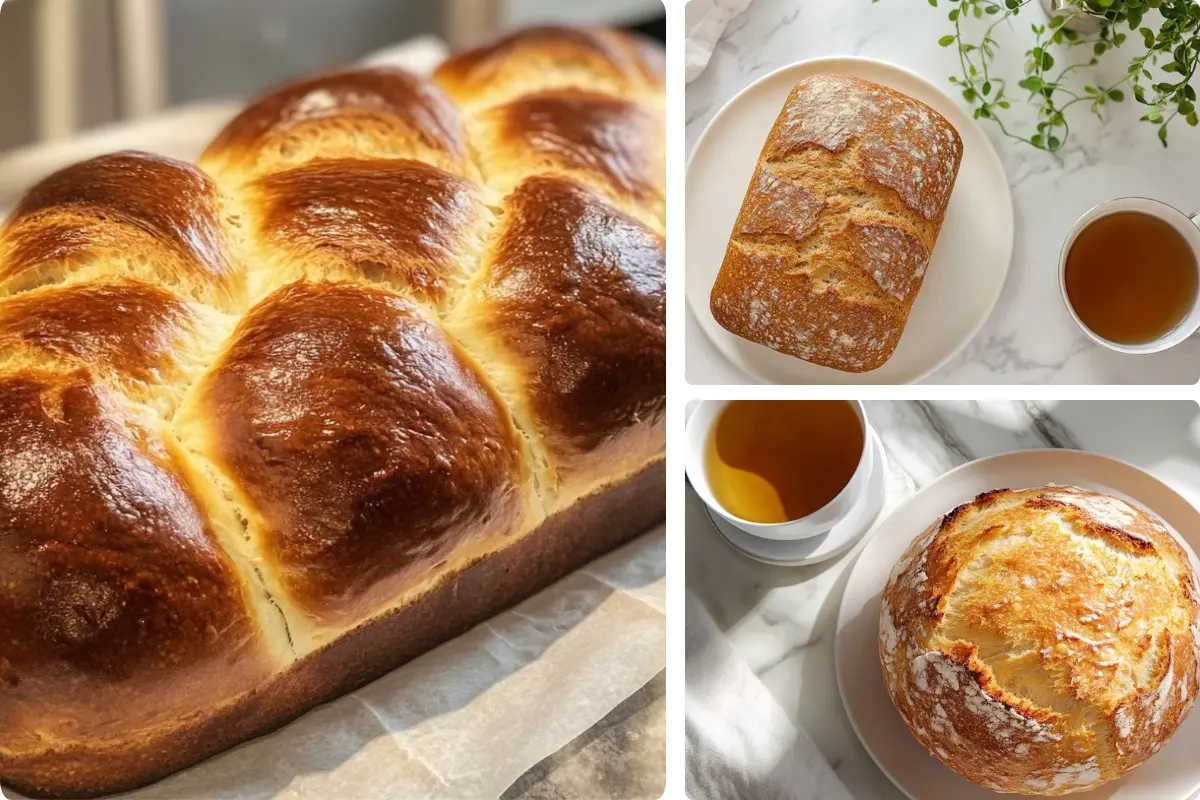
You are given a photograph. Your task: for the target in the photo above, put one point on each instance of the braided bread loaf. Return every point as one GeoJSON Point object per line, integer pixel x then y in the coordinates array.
{"type": "Point", "coordinates": [391, 359]}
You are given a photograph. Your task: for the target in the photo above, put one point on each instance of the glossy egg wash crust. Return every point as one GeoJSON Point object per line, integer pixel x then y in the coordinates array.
{"type": "Point", "coordinates": [1042, 641]}
{"type": "Point", "coordinates": [390, 358]}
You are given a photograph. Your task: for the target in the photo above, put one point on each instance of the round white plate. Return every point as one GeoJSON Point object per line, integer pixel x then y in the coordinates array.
{"type": "Point", "coordinates": [839, 539]}
{"type": "Point", "coordinates": [969, 263]}
{"type": "Point", "coordinates": [1172, 774]}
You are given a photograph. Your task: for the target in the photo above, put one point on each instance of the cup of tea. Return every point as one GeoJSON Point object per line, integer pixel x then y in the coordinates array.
{"type": "Point", "coordinates": [780, 469]}
{"type": "Point", "coordinates": [1130, 275]}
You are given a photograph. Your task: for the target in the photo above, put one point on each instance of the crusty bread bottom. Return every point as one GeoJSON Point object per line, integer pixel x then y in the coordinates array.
{"type": "Point", "coordinates": [563, 543]}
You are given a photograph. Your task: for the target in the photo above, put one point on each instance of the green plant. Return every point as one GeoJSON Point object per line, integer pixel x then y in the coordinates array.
{"type": "Point", "coordinates": [1172, 51]}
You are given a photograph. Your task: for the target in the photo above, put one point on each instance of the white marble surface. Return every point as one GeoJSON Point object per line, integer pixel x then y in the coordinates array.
{"type": "Point", "coordinates": [1030, 337]}
{"type": "Point", "coordinates": [781, 620]}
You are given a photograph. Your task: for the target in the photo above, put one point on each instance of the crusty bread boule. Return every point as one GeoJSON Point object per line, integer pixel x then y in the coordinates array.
{"type": "Point", "coordinates": [1042, 641]}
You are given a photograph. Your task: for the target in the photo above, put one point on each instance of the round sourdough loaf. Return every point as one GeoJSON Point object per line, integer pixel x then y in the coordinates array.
{"type": "Point", "coordinates": [1042, 641]}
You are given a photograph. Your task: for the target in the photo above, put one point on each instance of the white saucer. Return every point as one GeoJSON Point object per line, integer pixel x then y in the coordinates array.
{"type": "Point", "coordinates": [841, 537]}
{"type": "Point", "coordinates": [1172, 774]}
{"type": "Point", "coordinates": [969, 263]}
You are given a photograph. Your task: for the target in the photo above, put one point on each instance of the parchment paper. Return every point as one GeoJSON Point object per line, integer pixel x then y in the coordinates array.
{"type": "Point", "coordinates": [469, 718]}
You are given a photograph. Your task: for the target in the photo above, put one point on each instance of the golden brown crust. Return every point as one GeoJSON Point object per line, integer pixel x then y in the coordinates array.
{"type": "Point", "coordinates": [573, 299]}
{"type": "Point", "coordinates": [128, 215]}
{"type": "Point", "coordinates": [550, 57]}
{"type": "Point", "coordinates": [1042, 641]}
{"type": "Point", "coordinates": [903, 144]}
{"type": "Point", "coordinates": [612, 144]}
{"type": "Point", "coordinates": [838, 225]}
{"type": "Point", "coordinates": [366, 448]}
{"type": "Point", "coordinates": [123, 327]}
{"type": "Point", "coordinates": [756, 295]}
{"type": "Point", "coordinates": [562, 543]}
{"type": "Point", "coordinates": [119, 611]}
{"type": "Point", "coordinates": [379, 112]}
{"type": "Point", "coordinates": [401, 222]}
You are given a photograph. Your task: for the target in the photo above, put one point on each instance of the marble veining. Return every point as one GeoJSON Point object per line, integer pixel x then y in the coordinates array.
{"type": "Point", "coordinates": [781, 620]}
{"type": "Point", "coordinates": [1030, 337]}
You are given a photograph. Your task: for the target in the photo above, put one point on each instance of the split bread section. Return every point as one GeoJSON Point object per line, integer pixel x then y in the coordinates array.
{"type": "Point", "coordinates": [350, 390]}
{"type": "Point", "coordinates": [1043, 641]}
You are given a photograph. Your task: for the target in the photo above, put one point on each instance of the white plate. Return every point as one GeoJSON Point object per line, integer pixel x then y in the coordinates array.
{"type": "Point", "coordinates": [969, 263]}
{"type": "Point", "coordinates": [1172, 774]}
{"type": "Point", "coordinates": [839, 539]}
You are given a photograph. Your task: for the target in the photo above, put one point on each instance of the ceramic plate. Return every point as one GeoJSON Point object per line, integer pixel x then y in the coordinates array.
{"type": "Point", "coordinates": [969, 263]}
{"type": "Point", "coordinates": [1172, 774]}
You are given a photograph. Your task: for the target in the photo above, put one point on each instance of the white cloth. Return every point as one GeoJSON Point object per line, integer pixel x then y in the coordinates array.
{"type": "Point", "coordinates": [705, 21]}
{"type": "Point", "coordinates": [740, 743]}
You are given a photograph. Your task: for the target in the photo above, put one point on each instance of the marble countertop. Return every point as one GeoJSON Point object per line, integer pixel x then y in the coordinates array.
{"type": "Point", "coordinates": [1029, 338]}
{"type": "Point", "coordinates": [781, 620]}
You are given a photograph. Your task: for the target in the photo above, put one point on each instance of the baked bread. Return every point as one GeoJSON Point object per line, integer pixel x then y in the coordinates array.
{"type": "Point", "coordinates": [839, 223]}
{"type": "Point", "coordinates": [389, 360]}
{"type": "Point", "coordinates": [1042, 641]}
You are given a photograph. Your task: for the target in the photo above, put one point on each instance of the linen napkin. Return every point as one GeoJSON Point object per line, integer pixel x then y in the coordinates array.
{"type": "Point", "coordinates": [705, 21]}
{"type": "Point", "coordinates": [740, 743]}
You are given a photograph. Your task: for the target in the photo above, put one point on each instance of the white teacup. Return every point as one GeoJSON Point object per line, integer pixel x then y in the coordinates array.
{"type": "Point", "coordinates": [699, 428]}
{"type": "Point", "coordinates": [1188, 227]}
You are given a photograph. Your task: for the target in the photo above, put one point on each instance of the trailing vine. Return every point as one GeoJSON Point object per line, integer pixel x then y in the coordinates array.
{"type": "Point", "coordinates": [1160, 78]}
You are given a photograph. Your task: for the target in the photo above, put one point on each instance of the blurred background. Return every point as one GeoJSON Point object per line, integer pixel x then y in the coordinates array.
{"type": "Point", "coordinates": [84, 76]}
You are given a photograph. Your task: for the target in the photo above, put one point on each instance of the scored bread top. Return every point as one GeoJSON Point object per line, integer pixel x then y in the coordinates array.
{"type": "Point", "coordinates": [1042, 641]}
{"type": "Point", "coordinates": [839, 222]}
{"type": "Point", "coordinates": [278, 378]}
{"type": "Point", "coordinates": [902, 143]}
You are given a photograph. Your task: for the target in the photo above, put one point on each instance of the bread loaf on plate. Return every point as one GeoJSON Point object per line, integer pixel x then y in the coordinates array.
{"type": "Point", "coordinates": [839, 223]}
{"type": "Point", "coordinates": [388, 360]}
{"type": "Point", "coordinates": [1042, 641]}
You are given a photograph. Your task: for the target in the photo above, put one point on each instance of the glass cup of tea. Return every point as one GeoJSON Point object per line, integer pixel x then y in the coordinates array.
{"type": "Point", "coordinates": [780, 469]}
{"type": "Point", "coordinates": [1130, 275]}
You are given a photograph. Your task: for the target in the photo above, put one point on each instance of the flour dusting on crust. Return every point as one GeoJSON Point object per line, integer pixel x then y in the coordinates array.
{"type": "Point", "coordinates": [1106, 510]}
{"type": "Point", "coordinates": [839, 223]}
{"type": "Point", "coordinates": [779, 207]}
{"type": "Point", "coordinates": [919, 160]}
{"type": "Point", "coordinates": [895, 259]}
{"type": "Point", "coordinates": [1018, 596]}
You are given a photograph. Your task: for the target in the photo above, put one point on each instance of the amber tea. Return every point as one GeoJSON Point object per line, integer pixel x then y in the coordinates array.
{"type": "Point", "coordinates": [772, 461]}
{"type": "Point", "coordinates": [1131, 277]}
